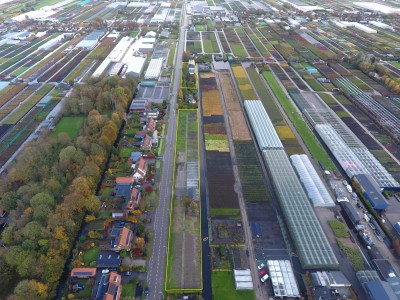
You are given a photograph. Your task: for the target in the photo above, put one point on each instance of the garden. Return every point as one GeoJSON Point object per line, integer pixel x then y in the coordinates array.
{"type": "Point", "coordinates": [223, 287]}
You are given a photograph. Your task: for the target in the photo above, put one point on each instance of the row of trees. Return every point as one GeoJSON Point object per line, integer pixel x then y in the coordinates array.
{"type": "Point", "coordinates": [52, 186]}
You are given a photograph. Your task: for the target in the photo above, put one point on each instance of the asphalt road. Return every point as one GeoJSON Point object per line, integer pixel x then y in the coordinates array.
{"type": "Point", "coordinates": [156, 270]}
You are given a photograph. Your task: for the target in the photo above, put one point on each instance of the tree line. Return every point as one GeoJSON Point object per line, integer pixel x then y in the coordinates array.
{"type": "Point", "coordinates": [52, 186]}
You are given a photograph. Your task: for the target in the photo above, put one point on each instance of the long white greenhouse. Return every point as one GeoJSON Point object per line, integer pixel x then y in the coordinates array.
{"type": "Point", "coordinates": [312, 182]}
{"type": "Point", "coordinates": [262, 126]}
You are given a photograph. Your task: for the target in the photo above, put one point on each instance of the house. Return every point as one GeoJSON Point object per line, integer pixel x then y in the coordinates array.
{"type": "Point", "coordinates": [151, 113]}
{"type": "Point", "coordinates": [151, 125]}
{"type": "Point", "coordinates": [141, 169]}
{"type": "Point", "coordinates": [124, 240]}
{"type": "Point", "coordinates": [135, 156]}
{"type": "Point", "coordinates": [83, 272]}
{"type": "Point", "coordinates": [124, 181]}
{"type": "Point", "coordinates": [134, 200]}
{"type": "Point", "coordinates": [140, 135]}
{"type": "Point", "coordinates": [114, 287]}
{"type": "Point", "coordinates": [108, 260]}
{"type": "Point", "coordinates": [146, 144]}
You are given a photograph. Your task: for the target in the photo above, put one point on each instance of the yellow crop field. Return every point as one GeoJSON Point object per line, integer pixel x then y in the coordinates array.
{"type": "Point", "coordinates": [217, 145]}
{"type": "Point", "coordinates": [211, 103]}
{"type": "Point", "coordinates": [284, 132]}
{"type": "Point", "coordinates": [246, 89]}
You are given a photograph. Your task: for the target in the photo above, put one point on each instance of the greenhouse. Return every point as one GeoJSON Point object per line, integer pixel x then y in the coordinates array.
{"type": "Point", "coordinates": [311, 243]}
{"type": "Point", "coordinates": [312, 182]}
{"type": "Point", "coordinates": [262, 126]}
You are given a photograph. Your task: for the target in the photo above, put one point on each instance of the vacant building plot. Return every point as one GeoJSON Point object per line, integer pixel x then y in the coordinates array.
{"type": "Point", "coordinates": [184, 247]}
{"type": "Point", "coordinates": [237, 122]}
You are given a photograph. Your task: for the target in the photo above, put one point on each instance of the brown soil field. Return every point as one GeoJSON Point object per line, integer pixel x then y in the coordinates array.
{"type": "Point", "coordinates": [239, 129]}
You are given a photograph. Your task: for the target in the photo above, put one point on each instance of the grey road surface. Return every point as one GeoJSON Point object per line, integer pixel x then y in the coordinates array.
{"type": "Point", "coordinates": [156, 271]}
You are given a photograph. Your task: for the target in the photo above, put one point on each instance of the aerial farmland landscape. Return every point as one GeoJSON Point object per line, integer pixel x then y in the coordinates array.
{"type": "Point", "coordinates": [216, 150]}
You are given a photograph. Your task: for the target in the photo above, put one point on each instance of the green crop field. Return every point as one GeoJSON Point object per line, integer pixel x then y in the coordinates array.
{"type": "Point", "coordinates": [171, 55]}
{"type": "Point", "coordinates": [251, 176]}
{"type": "Point", "coordinates": [315, 148]}
{"type": "Point", "coordinates": [69, 125]}
{"type": "Point", "coordinates": [200, 27]}
{"type": "Point", "coordinates": [238, 50]}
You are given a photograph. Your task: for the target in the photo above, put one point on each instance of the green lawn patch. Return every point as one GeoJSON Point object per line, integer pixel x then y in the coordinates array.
{"type": "Point", "coordinates": [125, 152]}
{"type": "Point", "coordinates": [315, 148]}
{"type": "Point", "coordinates": [129, 289]}
{"type": "Point", "coordinates": [223, 287]}
{"type": "Point", "coordinates": [353, 254]}
{"type": "Point", "coordinates": [91, 255]}
{"type": "Point", "coordinates": [69, 125]}
{"type": "Point", "coordinates": [134, 33]}
{"type": "Point", "coordinates": [171, 55]}
{"type": "Point", "coordinates": [339, 229]}
{"type": "Point", "coordinates": [210, 25]}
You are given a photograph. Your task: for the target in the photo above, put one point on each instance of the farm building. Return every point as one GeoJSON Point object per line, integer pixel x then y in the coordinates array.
{"type": "Point", "coordinates": [138, 105]}
{"type": "Point", "coordinates": [51, 43]}
{"type": "Point", "coordinates": [331, 279]}
{"type": "Point", "coordinates": [135, 66]}
{"type": "Point", "coordinates": [138, 4]}
{"type": "Point", "coordinates": [283, 279]}
{"type": "Point", "coordinates": [91, 40]}
{"type": "Point", "coordinates": [154, 69]}
{"type": "Point", "coordinates": [377, 7]}
{"type": "Point", "coordinates": [311, 181]}
{"type": "Point", "coordinates": [314, 250]}
{"type": "Point", "coordinates": [375, 288]}
{"type": "Point", "coordinates": [381, 25]}
{"type": "Point", "coordinates": [116, 69]}
{"type": "Point", "coordinates": [370, 190]}
{"type": "Point", "coordinates": [148, 40]}
{"type": "Point", "coordinates": [151, 34]}
{"type": "Point", "coordinates": [243, 279]}
{"type": "Point", "coordinates": [146, 48]}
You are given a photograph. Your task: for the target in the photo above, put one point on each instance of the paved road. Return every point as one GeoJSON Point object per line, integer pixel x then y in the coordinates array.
{"type": "Point", "coordinates": [156, 272]}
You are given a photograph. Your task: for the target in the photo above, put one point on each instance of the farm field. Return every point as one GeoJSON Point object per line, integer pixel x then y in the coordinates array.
{"type": "Point", "coordinates": [237, 121]}
{"type": "Point", "coordinates": [210, 43]}
{"type": "Point", "coordinates": [184, 246]}
{"type": "Point", "coordinates": [235, 43]}
{"type": "Point", "coordinates": [246, 90]}
{"type": "Point", "coordinates": [210, 99]}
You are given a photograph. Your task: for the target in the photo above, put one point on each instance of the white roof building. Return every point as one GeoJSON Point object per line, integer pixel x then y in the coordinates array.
{"type": "Point", "coordinates": [87, 44]}
{"type": "Point", "coordinates": [135, 66]}
{"type": "Point", "coordinates": [139, 4]}
{"type": "Point", "coordinates": [51, 43]}
{"type": "Point", "coordinates": [151, 34]}
{"type": "Point", "coordinates": [148, 40]}
{"type": "Point", "coordinates": [146, 48]}
{"type": "Point", "coordinates": [154, 69]}
{"type": "Point", "coordinates": [377, 7]}
{"type": "Point", "coordinates": [243, 280]}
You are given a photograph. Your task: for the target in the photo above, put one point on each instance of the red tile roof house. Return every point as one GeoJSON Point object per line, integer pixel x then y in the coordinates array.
{"type": "Point", "coordinates": [141, 169]}
{"type": "Point", "coordinates": [151, 125]}
{"type": "Point", "coordinates": [114, 287]}
{"type": "Point", "coordinates": [124, 240]}
{"type": "Point", "coordinates": [134, 200]}
{"type": "Point", "coordinates": [83, 272]}
{"type": "Point", "coordinates": [146, 144]}
{"type": "Point", "coordinates": [124, 180]}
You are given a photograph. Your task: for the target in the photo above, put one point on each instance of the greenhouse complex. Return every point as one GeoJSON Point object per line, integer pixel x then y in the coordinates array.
{"type": "Point", "coordinates": [345, 146]}
{"type": "Point", "coordinates": [311, 243]}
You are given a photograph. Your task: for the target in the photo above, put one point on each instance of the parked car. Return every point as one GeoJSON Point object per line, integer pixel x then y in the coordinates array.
{"type": "Point", "coordinates": [264, 278]}
{"type": "Point", "coordinates": [127, 273]}
{"type": "Point", "coordinates": [106, 271]}
{"type": "Point", "coordinates": [262, 272]}
{"type": "Point", "coordinates": [146, 291]}
{"type": "Point", "coordinates": [260, 266]}
{"type": "Point", "coordinates": [345, 182]}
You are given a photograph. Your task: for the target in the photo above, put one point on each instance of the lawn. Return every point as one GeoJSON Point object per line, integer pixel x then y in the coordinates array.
{"type": "Point", "coordinates": [70, 125]}
{"type": "Point", "coordinates": [223, 287]}
{"type": "Point", "coordinates": [315, 148]}
{"type": "Point", "coordinates": [134, 33]}
{"type": "Point", "coordinates": [339, 229]}
{"type": "Point", "coordinates": [91, 255]}
{"type": "Point", "coordinates": [129, 289]}
{"type": "Point", "coordinates": [125, 152]}
{"type": "Point", "coordinates": [171, 55]}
